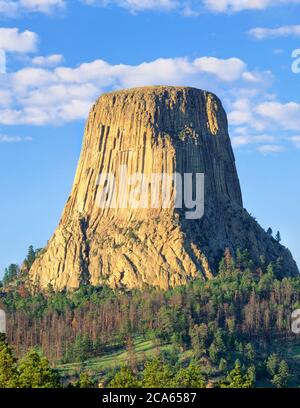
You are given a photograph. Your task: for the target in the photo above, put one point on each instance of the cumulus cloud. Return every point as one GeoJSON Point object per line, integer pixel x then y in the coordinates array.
{"type": "Point", "coordinates": [192, 8]}
{"type": "Point", "coordinates": [189, 8]}
{"type": "Point", "coordinates": [11, 8]}
{"type": "Point", "coordinates": [48, 61]}
{"type": "Point", "coordinates": [232, 6]}
{"type": "Point", "coordinates": [244, 112]}
{"type": "Point", "coordinates": [287, 115]}
{"type": "Point", "coordinates": [162, 70]}
{"type": "Point", "coordinates": [284, 31]}
{"type": "Point", "coordinates": [41, 94]}
{"type": "Point", "coordinates": [55, 95]}
{"type": "Point", "coordinates": [227, 70]}
{"type": "Point", "coordinates": [249, 117]}
{"type": "Point", "coordinates": [12, 40]}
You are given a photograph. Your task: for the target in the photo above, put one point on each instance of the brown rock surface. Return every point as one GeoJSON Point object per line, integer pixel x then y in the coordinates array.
{"type": "Point", "coordinates": [153, 130]}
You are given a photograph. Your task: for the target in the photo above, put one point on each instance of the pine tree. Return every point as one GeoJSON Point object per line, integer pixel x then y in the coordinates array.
{"type": "Point", "coordinates": [272, 364]}
{"type": "Point", "coordinates": [84, 381]}
{"type": "Point", "coordinates": [190, 377]}
{"type": "Point", "coordinates": [8, 365]}
{"type": "Point", "coordinates": [223, 364]}
{"type": "Point", "coordinates": [280, 379]}
{"type": "Point", "coordinates": [249, 352]}
{"type": "Point", "coordinates": [10, 274]}
{"type": "Point", "coordinates": [35, 372]}
{"type": "Point", "coordinates": [157, 374]}
{"type": "Point", "coordinates": [125, 378]}
{"type": "Point", "coordinates": [278, 237]}
{"type": "Point", "coordinates": [237, 379]}
{"type": "Point", "coordinates": [227, 264]}
{"type": "Point", "coordinates": [31, 255]}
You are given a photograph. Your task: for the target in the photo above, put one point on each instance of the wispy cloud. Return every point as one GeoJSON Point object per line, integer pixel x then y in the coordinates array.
{"type": "Point", "coordinates": [188, 8]}
{"type": "Point", "coordinates": [42, 6]}
{"type": "Point", "coordinates": [138, 5]}
{"type": "Point", "coordinates": [2, 62]}
{"type": "Point", "coordinates": [260, 33]}
{"type": "Point", "coordinates": [233, 6]}
{"type": "Point", "coordinates": [14, 139]}
{"type": "Point", "coordinates": [271, 148]}
{"type": "Point", "coordinates": [296, 141]}
{"type": "Point", "coordinates": [12, 8]}
{"type": "Point", "coordinates": [191, 8]}
{"type": "Point", "coordinates": [263, 143]}
{"type": "Point", "coordinates": [241, 137]}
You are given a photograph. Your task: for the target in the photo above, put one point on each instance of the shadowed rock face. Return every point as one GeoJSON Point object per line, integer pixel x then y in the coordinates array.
{"type": "Point", "coordinates": [153, 130]}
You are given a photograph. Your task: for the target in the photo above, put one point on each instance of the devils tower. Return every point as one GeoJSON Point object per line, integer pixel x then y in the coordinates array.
{"type": "Point", "coordinates": [153, 130]}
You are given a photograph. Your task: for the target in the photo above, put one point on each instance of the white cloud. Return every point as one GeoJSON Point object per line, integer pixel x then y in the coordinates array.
{"type": "Point", "coordinates": [227, 70]}
{"type": "Point", "coordinates": [271, 148]}
{"type": "Point", "coordinates": [189, 8]}
{"type": "Point", "coordinates": [231, 6]}
{"type": "Point", "coordinates": [138, 5]}
{"type": "Point", "coordinates": [192, 8]}
{"type": "Point", "coordinates": [14, 41]}
{"type": "Point", "coordinates": [287, 115]}
{"type": "Point", "coordinates": [166, 70]}
{"type": "Point", "coordinates": [43, 6]}
{"type": "Point", "coordinates": [5, 98]}
{"type": "Point", "coordinates": [242, 136]}
{"type": "Point", "coordinates": [269, 125]}
{"type": "Point", "coordinates": [11, 8]}
{"type": "Point", "coordinates": [14, 139]}
{"type": "Point", "coordinates": [40, 96]}
{"type": "Point", "coordinates": [278, 51]}
{"type": "Point", "coordinates": [296, 141]}
{"type": "Point", "coordinates": [243, 113]}
{"type": "Point", "coordinates": [242, 140]}
{"type": "Point", "coordinates": [8, 8]}
{"type": "Point", "coordinates": [28, 78]}
{"type": "Point", "coordinates": [284, 31]}
{"type": "Point", "coordinates": [48, 61]}
{"type": "Point", "coordinates": [2, 62]}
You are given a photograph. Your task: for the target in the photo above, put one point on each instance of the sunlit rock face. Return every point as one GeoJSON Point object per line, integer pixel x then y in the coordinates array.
{"type": "Point", "coordinates": [153, 130]}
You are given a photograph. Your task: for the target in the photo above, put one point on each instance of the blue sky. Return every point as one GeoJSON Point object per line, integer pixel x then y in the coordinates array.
{"type": "Point", "coordinates": [58, 56]}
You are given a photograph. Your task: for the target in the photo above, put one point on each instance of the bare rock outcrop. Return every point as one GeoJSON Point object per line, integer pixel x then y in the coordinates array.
{"type": "Point", "coordinates": [150, 131]}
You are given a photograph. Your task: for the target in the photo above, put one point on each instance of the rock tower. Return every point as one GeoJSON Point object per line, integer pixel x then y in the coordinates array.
{"type": "Point", "coordinates": [153, 130]}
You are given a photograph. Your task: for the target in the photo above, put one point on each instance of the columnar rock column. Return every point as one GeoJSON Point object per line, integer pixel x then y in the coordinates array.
{"type": "Point", "coordinates": [149, 131]}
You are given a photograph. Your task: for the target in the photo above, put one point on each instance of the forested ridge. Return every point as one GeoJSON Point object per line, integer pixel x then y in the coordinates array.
{"type": "Point", "coordinates": [238, 315]}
